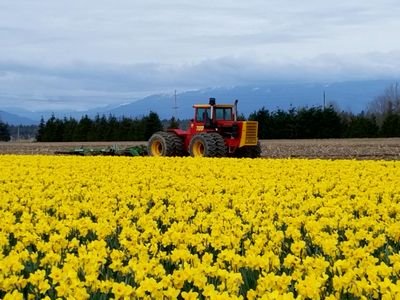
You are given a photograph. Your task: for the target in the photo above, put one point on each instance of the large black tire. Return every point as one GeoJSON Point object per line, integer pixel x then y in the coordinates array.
{"type": "Point", "coordinates": [202, 145]}
{"type": "Point", "coordinates": [249, 151]}
{"type": "Point", "coordinates": [178, 145]}
{"type": "Point", "coordinates": [162, 144]}
{"type": "Point", "coordinates": [221, 150]}
{"type": "Point", "coordinates": [256, 151]}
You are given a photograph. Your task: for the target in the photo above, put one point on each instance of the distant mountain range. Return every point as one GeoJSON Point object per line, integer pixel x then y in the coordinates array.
{"type": "Point", "coordinates": [14, 119]}
{"type": "Point", "coordinates": [349, 96]}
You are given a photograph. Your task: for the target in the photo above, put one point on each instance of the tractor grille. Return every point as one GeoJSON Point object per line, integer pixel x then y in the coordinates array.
{"type": "Point", "coordinates": [249, 134]}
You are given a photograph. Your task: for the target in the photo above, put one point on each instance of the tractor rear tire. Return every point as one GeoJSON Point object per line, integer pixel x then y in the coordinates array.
{"type": "Point", "coordinates": [178, 145]}
{"type": "Point", "coordinates": [162, 144]}
{"type": "Point", "coordinates": [219, 144]}
{"type": "Point", "coordinates": [202, 145]}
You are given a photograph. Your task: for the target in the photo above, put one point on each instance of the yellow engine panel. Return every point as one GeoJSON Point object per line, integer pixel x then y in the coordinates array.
{"type": "Point", "coordinates": [249, 136]}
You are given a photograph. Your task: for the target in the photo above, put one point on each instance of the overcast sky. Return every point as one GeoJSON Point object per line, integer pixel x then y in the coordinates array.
{"type": "Point", "coordinates": [82, 54]}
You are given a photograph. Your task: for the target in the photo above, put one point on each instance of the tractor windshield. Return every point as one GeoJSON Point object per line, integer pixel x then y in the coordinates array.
{"type": "Point", "coordinates": [223, 113]}
{"type": "Point", "coordinates": [202, 114]}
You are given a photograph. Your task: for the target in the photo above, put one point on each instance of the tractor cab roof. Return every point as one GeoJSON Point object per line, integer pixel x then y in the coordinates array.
{"type": "Point", "coordinates": [215, 106]}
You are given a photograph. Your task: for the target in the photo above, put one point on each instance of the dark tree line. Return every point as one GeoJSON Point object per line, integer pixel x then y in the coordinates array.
{"type": "Point", "coordinates": [318, 122]}
{"type": "Point", "coordinates": [297, 123]}
{"type": "Point", "coordinates": [22, 132]}
{"type": "Point", "coordinates": [301, 123]}
{"type": "Point", "coordinates": [4, 132]}
{"type": "Point", "coordinates": [381, 119]}
{"type": "Point", "coordinates": [101, 128]}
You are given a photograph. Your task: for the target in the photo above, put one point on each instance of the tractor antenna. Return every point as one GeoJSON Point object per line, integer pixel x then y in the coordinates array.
{"type": "Point", "coordinates": [175, 107]}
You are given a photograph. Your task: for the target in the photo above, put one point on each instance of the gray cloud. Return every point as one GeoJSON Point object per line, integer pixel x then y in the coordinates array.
{"type": "Point", "coordinates": [88, 53]}
{"type": "Point", "coordinates": [87, 85]}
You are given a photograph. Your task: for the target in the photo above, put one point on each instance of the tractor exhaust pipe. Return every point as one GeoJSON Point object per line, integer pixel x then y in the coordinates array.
{"type": "Point", "coordinates": [236, 109]}
{"type": "Point", "coordinates": [212, 103]}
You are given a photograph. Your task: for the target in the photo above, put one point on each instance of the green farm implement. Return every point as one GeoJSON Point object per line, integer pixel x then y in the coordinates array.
{"type": "Point", "coordinates": [114, 150]}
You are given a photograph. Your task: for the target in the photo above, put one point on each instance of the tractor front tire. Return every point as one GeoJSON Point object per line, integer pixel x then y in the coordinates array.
{"type": "Point", "coordinates": [256, 151]}
{"type": "Point", "coordinates": [161, 144]}
{"type": "Point", "coordinates": [202, 145]}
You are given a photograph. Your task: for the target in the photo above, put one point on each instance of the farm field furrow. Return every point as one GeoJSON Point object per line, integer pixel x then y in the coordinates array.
{"type": "Point", "coordinates": [154, 228]}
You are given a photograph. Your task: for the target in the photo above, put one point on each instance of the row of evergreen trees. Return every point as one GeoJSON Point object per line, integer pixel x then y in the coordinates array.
{"type": "Point", "coordinates": [318, 122]}
{"type": "Point", "coordinates": [303, 123]}
{"type": "Point", "coordinates": [101, 128]}
{"type": "Point", "coordinates": [4, 132]}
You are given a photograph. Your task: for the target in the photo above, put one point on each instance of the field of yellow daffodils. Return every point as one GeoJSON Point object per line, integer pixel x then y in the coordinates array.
{"type": "Point", "coordinates": [167, 228]}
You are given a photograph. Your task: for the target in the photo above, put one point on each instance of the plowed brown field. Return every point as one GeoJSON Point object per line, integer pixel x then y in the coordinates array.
{"type": "Point", "coordinates": [329, 148]}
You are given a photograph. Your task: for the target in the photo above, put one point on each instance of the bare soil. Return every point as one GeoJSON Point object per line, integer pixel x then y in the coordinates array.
{"type": "Point", "coordinates": [327, 148]}
{"type": "Point", "coordinates": [383, 148]}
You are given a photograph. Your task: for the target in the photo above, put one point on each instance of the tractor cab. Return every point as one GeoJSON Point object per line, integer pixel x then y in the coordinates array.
{"type": "Point", "coordinates": [220, 113]}
{"type": "Point", "coordinates": [213, 116]}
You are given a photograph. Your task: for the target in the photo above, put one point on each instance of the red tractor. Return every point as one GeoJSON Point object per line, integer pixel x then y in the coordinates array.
{"type": "Point", "coordinates": [214, 132]}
